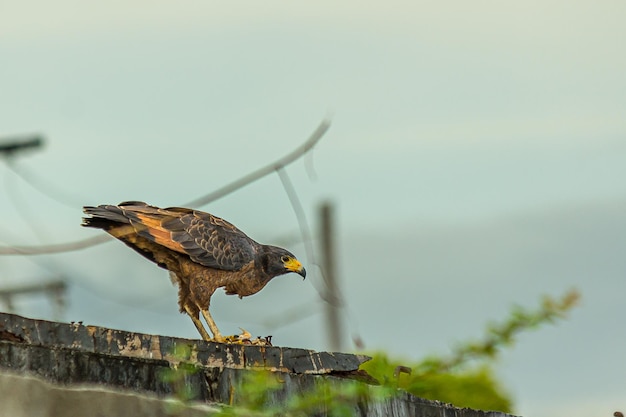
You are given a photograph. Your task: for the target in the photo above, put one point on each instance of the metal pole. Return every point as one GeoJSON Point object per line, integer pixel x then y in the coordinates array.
{"type": "Point", "coordinates": [329, 270]}
{"type": "Point", "coordinates": [9, 146]}
{"type": "Point", "coordinates": [54, 289]}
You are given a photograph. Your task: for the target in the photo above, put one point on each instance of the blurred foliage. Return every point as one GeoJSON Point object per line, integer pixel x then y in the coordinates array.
{"type": "Point", "coordinates": [473, 388]}
{"type": "Point", "coordinates": [255, 396]}
{"type": "Point", "coordinates": [178, 376]}
{"type": "Point", "coordinates": [465, 377]}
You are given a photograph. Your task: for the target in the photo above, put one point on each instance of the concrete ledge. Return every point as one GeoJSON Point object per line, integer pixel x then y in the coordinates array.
{"type": "Point", "coordinates": [93, 339]}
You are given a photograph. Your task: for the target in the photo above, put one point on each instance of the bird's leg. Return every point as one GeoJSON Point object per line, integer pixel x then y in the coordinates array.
{"type": "Point", "coordinates": [217, 336]}
{"type": "Point", "coordinates": [196, 321]}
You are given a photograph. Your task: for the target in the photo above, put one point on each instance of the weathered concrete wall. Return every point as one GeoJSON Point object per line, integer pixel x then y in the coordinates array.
{"type": "Point", "coordinates": [98, 340]}
{"type": "Point", "coordinates": [28, 396]}
{"type": "Point", "coordinates": [68, 356]}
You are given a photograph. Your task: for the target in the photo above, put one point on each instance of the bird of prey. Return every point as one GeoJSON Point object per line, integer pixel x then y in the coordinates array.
{"type": "Point", "coordinates": [202, 252]}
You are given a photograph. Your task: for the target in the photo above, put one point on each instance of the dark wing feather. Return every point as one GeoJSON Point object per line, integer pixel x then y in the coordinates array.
{"type": "Point", "coordinates": [208, 240]}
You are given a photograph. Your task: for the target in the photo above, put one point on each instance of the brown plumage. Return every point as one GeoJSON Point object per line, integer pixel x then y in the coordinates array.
{"type": "Point", "coordinates": [202, 252]}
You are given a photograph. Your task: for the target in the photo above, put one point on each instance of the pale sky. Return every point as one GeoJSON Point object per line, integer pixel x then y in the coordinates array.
{"type": "Point", "coordinates": [476, 157]}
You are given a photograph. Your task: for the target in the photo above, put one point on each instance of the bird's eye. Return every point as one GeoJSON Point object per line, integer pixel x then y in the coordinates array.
{"type": "Point", "coordinates": [284, 258]}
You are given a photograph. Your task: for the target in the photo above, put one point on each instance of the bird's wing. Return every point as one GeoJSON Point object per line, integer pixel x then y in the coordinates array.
{"type": "Point", "coordinates": [207, 239]}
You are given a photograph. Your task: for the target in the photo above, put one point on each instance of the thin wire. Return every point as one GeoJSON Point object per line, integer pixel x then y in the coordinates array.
{"type": "Point", "coordinates": [219, 193]}
{"type": "Point", "coordinates": [309, 165]}
{"type": "Point", "coordinates": [23, 210]}
{"type": "Point", "coordinates": [55, 248]}
{"type": "Point", "coordinates": [56, 271]}
{"type": "Point", "coordinates": [42, 186]}
{"type": "Point", "coordinates": [266, 170]}
{"type": "Point", "coordinates": [331, 299]}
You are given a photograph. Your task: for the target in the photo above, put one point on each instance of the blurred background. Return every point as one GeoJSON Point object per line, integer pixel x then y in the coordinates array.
{"type": "Point", "coordinates": [476, 160]}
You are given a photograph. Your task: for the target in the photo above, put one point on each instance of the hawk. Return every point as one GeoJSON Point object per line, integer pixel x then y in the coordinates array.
{"type": "Point", "coordinates": [202, 252]}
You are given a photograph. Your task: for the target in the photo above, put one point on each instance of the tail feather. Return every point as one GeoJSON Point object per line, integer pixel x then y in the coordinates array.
{"type": "Point", "coordinates": [104, 217]}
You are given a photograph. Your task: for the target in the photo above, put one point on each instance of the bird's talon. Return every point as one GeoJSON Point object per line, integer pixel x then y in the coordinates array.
{"type": "Point", "coordinates": [245, 335]}
{"type": "Point", "coordinates": [245, 338]}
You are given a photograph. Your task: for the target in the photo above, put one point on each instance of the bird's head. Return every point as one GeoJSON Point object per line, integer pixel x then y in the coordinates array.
{"type": "Point", "coordinates": [279, 261]}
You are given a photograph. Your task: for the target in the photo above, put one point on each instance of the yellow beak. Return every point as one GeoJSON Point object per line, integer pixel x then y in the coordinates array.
{"type": "Point", "coordinates": [294, 265]}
